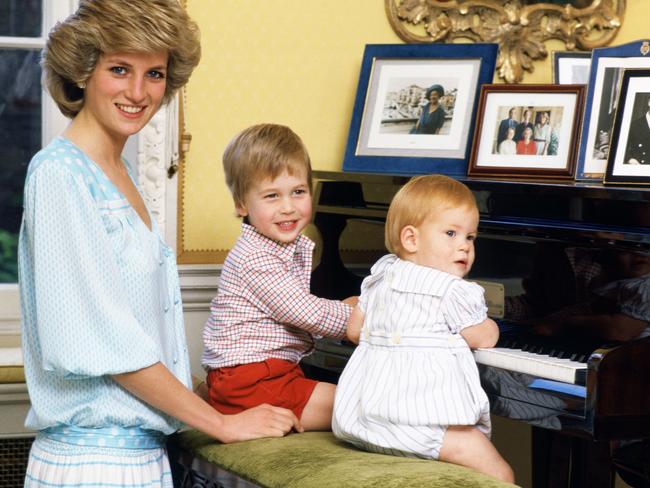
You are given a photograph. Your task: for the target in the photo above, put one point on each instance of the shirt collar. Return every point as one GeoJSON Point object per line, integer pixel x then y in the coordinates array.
{"type": "Point", "coordinates": [285, 252]}
{"type": "Point", "coordinates": [409, 277]}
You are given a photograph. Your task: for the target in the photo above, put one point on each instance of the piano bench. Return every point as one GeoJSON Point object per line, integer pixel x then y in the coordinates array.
{"type": "Point", "coordinates": [309, 460]}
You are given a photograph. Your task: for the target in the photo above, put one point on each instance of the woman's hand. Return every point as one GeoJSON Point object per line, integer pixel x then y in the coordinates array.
{"type": "Point", "coordinates": [158, 387]}
{"type": "Point", "coordinates": [261, 421]}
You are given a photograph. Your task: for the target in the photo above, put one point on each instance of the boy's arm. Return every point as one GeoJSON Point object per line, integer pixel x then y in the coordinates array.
{"type": "Point", "coordinates": [355, 323]}
{"type": "Point", "coordinates": [484, 334]}
{"type": "Point", "coordinates": [284, 298]}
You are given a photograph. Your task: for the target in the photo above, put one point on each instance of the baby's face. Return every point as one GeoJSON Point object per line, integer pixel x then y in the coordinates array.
{"type": "Point", "coordinates": [446, 241]}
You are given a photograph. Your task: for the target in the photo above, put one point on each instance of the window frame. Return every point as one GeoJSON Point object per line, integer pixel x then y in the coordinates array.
{"type": "Point", "coordinates": [53, 123]}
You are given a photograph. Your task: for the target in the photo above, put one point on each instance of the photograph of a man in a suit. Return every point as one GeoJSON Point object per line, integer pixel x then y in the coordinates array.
{"type": "Point", "coordinates": [638, 141]}
{"type": "Point", "coordinates": [506, 124]}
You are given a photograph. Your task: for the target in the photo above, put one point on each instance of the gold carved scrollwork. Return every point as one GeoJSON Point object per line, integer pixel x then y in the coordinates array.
{"type": "Point", "coordinates": [520, 27]}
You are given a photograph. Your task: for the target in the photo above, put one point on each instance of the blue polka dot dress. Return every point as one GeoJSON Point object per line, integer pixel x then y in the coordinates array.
{"type": "Point", "coordinates": [99, 296]}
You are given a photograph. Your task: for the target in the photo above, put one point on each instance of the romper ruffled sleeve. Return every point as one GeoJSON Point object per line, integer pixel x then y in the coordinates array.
{"type": "Point", "coordinates": [464, 305]}
{"type": "Point", "coordinates": [85, 326]}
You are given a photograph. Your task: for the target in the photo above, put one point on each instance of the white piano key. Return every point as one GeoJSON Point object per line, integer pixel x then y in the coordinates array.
{"type": "Point", "coordinates": [538, 365]}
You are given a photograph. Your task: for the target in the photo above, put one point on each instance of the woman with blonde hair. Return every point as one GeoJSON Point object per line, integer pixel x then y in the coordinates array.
{"type": "Point", "coordinates": [103, 338]}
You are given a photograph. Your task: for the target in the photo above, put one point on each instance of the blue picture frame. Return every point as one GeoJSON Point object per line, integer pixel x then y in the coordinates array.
{"type": "Point", "coordinates": [379, 139]}
{"type": "Point", "coordinates": [607, 66]}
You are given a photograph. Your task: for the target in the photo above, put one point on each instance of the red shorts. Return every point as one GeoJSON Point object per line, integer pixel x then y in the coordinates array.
{"type": "Point", "coordinates": [274, 381]}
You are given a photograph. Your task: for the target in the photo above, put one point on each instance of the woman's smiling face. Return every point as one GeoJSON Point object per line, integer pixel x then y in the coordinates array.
{"type": "Point", "coordinates": [124, 91]}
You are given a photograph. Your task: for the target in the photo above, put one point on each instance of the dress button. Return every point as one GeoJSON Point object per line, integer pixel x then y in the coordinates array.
{"type": "Point", "coordinates": [396, 338]}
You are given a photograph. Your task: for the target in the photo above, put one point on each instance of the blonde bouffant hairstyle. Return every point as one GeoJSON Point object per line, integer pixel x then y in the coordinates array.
{"type": "Point", "coordinates": [262, 152]}
{"type": "Point", "coordinates": [421, 198]}
{"type": "Point", "coordinates": [109, 26]}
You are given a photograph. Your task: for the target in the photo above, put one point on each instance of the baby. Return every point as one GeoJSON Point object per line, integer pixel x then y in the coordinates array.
{"type": "Point", "coordinates": [411, 387]}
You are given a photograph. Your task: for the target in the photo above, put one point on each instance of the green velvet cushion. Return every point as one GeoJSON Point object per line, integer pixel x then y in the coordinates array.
{"type": "Point", "coordinates": [318, 459]}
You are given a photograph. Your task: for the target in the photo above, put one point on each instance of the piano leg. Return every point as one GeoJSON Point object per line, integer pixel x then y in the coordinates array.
{"type": "Point", "coordinates": [561, 461]}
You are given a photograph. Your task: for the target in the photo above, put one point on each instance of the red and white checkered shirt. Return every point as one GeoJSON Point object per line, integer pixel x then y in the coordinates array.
{"type": "Point", "coordinates": [263, 308]}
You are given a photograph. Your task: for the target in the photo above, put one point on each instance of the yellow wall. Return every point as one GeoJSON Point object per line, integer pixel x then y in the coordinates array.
{"type": "Point", "coordinates": [294, 62]}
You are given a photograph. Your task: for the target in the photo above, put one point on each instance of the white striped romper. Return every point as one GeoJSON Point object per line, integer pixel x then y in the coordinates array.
{"type": "Point", "coordinates": [412, 374]}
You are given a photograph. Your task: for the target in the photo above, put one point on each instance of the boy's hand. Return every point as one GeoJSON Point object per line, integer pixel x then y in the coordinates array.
{"type": "Point", "coordinates": [261, 421]}
{"type": "Point", "coordinates": [352, 301]}
{"type": "Point", "coordinates": [355, 323]}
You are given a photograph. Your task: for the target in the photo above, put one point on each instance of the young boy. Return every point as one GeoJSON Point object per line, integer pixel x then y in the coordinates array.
{"type": "Point", "coordinates": [263, 320]}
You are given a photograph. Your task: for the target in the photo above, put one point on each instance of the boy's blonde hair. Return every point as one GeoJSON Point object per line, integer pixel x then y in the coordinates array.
{"type": "Point", "coordinates": [104, 27]}
{"type": "Point", "coordinates": [262, 152]}
{"type": "Point", "coordinates": [420, 198]}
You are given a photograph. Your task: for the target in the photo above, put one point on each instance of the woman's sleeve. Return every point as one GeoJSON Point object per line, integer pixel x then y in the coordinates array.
{"type": "Point", "coordinates": [85, 326]}
{"type": "Point", "coordinates": [464, 305]}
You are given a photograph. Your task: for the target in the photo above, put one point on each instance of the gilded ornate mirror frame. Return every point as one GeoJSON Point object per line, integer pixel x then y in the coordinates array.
{"type": "Point", "coordinates": [519, 27]}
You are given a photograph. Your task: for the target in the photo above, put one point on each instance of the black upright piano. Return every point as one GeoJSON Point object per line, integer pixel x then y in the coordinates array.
{"type": "Point", "coordinates": [570, 263]}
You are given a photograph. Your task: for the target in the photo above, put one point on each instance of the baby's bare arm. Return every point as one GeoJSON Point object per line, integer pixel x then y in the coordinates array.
{"type": "Point", "coordinates": [484, 334]}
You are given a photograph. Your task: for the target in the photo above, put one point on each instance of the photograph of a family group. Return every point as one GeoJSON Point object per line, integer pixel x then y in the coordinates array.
{"type": "Point", "coordinates": [527, 130]}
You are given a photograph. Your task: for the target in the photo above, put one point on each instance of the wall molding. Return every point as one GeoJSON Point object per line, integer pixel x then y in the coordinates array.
{"type": "Point", "coordinates": [199, 284]}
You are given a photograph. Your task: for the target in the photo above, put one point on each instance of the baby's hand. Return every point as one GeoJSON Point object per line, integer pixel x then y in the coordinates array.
{"type": "Point", "coordinates": [352, 301]}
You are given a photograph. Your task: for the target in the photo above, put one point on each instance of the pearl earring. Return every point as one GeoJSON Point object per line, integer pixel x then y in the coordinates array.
{"type": "Point", "coordinates": [82, 85]}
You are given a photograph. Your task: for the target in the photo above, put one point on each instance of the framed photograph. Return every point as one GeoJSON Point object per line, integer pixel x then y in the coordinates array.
{"type": "Point", "coordinates": [415, 107]}
{"type": "Point", "coordinates": [527, 131]}
{"type": "Point", "coordinates": [606, 71]}
{"type": "Point", "coordinates": [629, 155]}
{"type": "Point", "coordinates": [571, 67]}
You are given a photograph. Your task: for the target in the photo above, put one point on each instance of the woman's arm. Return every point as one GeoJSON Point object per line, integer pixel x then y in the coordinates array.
{"type": "Point", "coordinates": [158, 387]}
{"type": "Point", "coordinates": [484, 334]}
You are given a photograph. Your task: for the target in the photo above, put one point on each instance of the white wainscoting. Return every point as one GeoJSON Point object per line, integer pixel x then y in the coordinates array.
{"type": "Point", "coordinates": [198, 287]}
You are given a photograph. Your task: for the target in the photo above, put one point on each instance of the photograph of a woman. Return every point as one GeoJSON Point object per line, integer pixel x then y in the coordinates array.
{"type": "Point", "coordinates": [417, 106]}
{"type": "Point", "coordinates": [432, 115]}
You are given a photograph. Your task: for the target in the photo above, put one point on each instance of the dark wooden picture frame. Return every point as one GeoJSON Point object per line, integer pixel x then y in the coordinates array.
{"type": "Point", "coordinates": [527, 131]}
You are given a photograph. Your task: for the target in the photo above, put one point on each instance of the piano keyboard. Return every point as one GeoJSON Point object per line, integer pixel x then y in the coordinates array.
{"type": "Point", "coordinates": [540, 365]}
